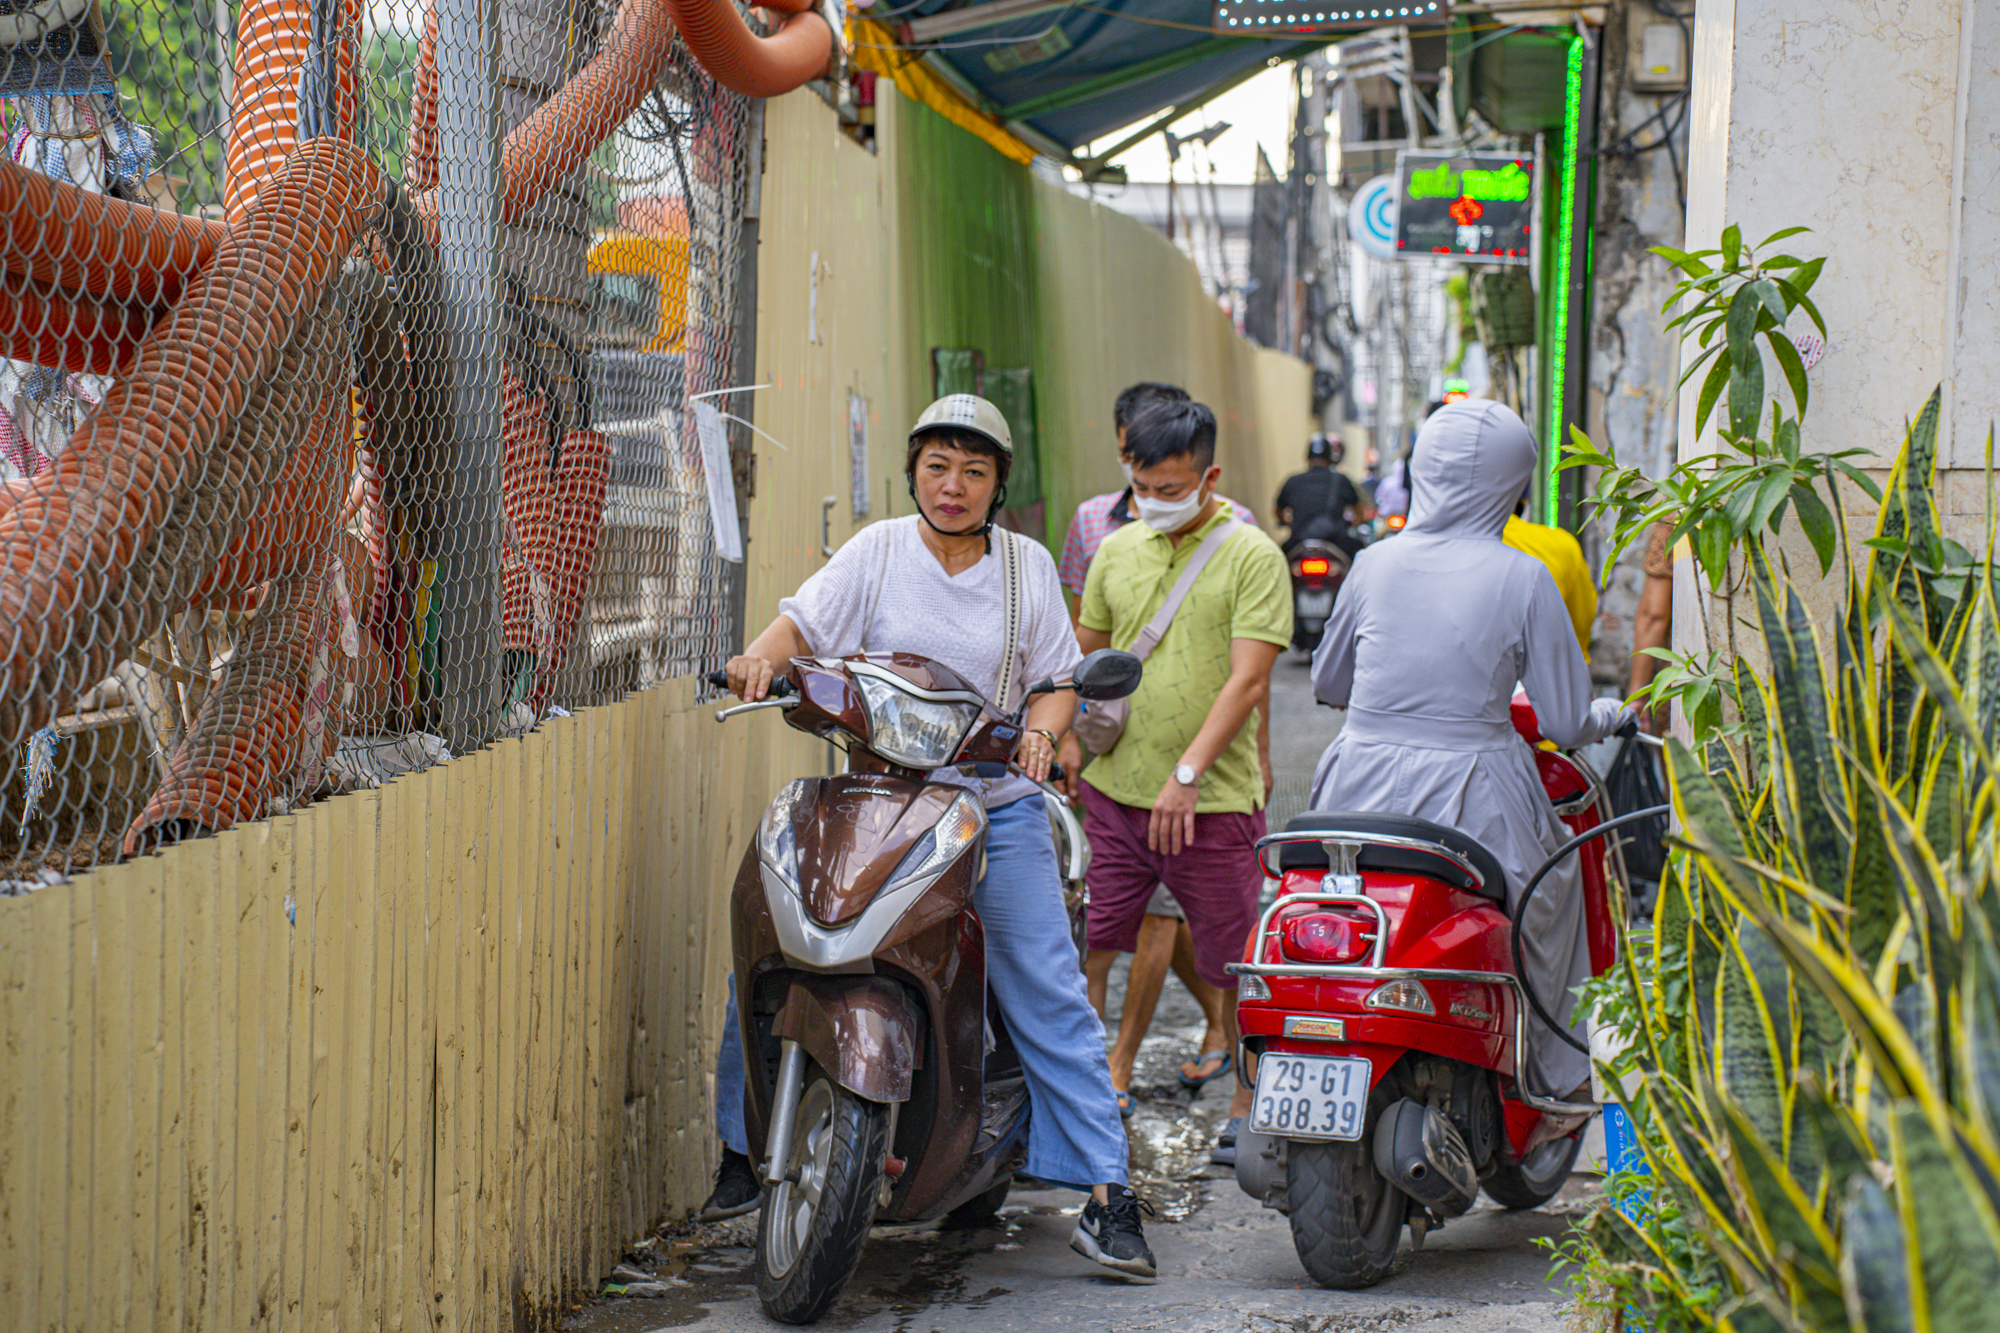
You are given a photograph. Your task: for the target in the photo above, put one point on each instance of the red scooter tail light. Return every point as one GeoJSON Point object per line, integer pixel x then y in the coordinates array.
{"type": "Point", "coordinates": [1315, 567]}
{"type": "Point", "coordinates": [1327, 937]}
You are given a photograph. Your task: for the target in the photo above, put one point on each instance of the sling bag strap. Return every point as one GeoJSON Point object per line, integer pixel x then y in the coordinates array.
{"type": "Point", "coordinates": [1156, 628]}
{"type": "Point", "coordinates": [1010, 583]}
{"type": "Point", "coordinates": [888, 540]}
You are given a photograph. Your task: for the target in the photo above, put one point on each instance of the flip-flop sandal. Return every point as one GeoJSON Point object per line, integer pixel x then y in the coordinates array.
{"type": "Point", "coordinates": [1124, 1103]}
{"type": "Point", "coordinates": [1228, 1063]}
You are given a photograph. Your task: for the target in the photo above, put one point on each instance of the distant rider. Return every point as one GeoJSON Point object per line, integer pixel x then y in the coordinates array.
{"type": "Point", "coordinates": [1322, 501]}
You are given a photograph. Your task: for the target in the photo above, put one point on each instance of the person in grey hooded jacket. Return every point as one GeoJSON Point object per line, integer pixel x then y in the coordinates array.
{"type": "Point", "coordinates": [1432, 632]}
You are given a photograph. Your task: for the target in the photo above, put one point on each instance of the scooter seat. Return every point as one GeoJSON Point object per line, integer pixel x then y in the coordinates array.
{"type": "Point", "coordinates": [1362, 827]}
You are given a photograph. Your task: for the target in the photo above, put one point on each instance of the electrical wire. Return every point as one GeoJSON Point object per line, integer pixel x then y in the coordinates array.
{"type": "Point", "coordinates": [970, 41]}
{"type": "Point", "coordinates": [1623, 147]}
{"type": "Point", "coordinates": [1535, 882]}
{"type": "Point", "coordinates": [876, 17]}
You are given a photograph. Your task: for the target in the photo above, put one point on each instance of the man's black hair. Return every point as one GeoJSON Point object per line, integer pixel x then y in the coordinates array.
{"type": "Point", "coordinates": [1171, 430]}
{"type": "Point", "coordinates": [1138, 395]}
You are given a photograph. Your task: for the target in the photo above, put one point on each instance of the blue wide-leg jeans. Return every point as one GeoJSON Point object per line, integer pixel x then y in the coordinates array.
{"type": "Point", "coordinates": [1077, 1137]}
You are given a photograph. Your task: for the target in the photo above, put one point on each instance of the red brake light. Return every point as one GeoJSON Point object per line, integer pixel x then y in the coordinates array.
{"type": "Point", "coordinates": [1327, 937]}
{"type": "Point", "coordinates": [1317, 566]}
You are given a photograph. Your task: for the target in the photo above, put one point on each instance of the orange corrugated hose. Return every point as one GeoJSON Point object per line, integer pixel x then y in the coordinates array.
{"type": "Point", "coordinates": [73, 599]}
{"type": "Point", "coordinates": [252, 741]}
{"type": "Point", "coordinates": [54, 326]}
{"type": "Point", "coordinates": [799, 51]}
{"type": "Point", "coordinates": [420, 171]}
{"type": "Point", "coordinates": [54, 232]}
{"type": "Point", "coordinates": [542, 151]}
{"type": "Point", "coordinates": [285, 464]}
{"type": "Point", "coordinates": [556, 511]}
{"type": "Point", "coordinates": [551, 143]}
{"type": "Point", "coordinates": [267, 725]}
{"type": "Point", "coordinates": [229, 767]}
{"type": "Point", "coordinates": [273, 41]}
{"type": "Point", "coordinates": [554, 140]}
{"type": "Point", "coordinates": [295, 485]}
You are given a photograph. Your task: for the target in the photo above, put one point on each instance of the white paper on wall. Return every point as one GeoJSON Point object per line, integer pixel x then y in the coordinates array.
{"type": "Point", "coordinates": [721, 485]}
{"type": "Point", "coordinates": [857, 451]}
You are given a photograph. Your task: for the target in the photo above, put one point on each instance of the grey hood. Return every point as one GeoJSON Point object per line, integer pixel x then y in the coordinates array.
{"type": "Point", "coordinates": [1471, 462]}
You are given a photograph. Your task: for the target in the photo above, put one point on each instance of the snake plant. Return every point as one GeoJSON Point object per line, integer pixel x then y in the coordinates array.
{"type": "Point", "coordinates": [1814, 1073]}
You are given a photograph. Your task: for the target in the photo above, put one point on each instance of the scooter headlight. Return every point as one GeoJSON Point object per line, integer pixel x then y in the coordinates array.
{"type": "Point", "coordinates": [914, 732]}
{"type": "Point", "coordinates": [964, 820]}
{"type": "Point", "coordinates": [778, 835]}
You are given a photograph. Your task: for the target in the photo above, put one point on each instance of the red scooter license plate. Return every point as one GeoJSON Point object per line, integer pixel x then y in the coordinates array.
{"type": "Point", "coordinates": [1310, 1096]}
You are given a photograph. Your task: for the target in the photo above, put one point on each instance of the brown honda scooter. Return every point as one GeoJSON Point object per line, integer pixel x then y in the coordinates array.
{"type": "Point", "coordinates": [883, 1087]}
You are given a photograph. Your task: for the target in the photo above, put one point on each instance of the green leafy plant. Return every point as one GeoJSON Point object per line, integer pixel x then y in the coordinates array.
{"type": "Point", "coordinates": [1730, 310]}
{"type": "Point", "coordinates": [1734, 302]}
{"type": "Point", "coordinates": [1815, 1019]}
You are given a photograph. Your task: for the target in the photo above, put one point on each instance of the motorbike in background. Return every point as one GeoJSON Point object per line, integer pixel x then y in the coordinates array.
{"type": "Point", "coordinates": [1384, 997]}
{"type": "Point", "coordinates": [1319, 567]}
{"type": "Point", "coordinates": [883, 1084]}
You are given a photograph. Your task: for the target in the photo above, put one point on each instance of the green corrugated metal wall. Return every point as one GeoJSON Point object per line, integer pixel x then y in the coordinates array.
{"type": "Point", "coordinates": [987, 256]}
{"type": "Point", "coordinates": [968, 281]}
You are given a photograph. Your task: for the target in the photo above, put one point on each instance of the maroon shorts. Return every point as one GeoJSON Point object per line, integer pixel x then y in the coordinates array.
{"type": "Point", "coordinates": [1215, 879]}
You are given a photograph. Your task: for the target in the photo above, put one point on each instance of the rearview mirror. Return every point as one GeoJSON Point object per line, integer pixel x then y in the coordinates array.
{"type": "Point", "coordinates": [1107, 674]}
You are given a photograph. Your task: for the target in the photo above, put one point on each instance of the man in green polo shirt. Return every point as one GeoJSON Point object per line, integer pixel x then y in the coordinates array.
{"type": "Point", "coordinates": [1179, 799]}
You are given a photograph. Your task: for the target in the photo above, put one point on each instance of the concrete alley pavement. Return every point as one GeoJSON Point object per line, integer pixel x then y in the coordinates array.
{"type": "Point", "coordinates": [1227, 1265]}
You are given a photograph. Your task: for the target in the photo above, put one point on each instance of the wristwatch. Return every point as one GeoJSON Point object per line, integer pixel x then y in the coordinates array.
{"type": "Point", "coordinates": [1186, 775]}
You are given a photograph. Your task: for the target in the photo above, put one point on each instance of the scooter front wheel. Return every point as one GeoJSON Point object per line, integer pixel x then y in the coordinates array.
{"type": "Point", "coordinates": [1346, 1217]}
{"type": "Point", "coordinates": [816, 1219]}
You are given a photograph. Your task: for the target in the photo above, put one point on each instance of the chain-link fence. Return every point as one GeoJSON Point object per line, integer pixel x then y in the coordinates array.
{"type": "Point", "coordinates": [365, 379]}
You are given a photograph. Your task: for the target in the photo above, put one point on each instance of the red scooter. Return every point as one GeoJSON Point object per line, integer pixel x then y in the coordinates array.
{"type": "Point", "coordinates": [1382, 995]}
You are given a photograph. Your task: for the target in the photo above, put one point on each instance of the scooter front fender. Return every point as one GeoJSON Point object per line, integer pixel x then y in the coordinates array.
{"type": "Point", "coordinates": [864, 1031]}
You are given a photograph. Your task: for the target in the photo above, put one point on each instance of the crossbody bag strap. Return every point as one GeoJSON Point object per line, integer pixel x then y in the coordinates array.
{"type": "Point", "coordinates": [1010, 583]}
{"type": "Point", "coordinates": [1156, 629]}
{"type": "Point", "coordinates": [875, 593]}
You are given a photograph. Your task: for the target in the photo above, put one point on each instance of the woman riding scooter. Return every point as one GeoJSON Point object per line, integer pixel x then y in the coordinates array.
{"type": "Point", "coordinates": [932, 584]}
{"type": "Point", "coordinates": [1430, 636]}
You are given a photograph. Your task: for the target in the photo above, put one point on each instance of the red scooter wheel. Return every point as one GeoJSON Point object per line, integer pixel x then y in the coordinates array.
{"type": "Point", "coordinates": [1346, 1217]}
{"type": "Point", "coordinates": [1536, 1178]}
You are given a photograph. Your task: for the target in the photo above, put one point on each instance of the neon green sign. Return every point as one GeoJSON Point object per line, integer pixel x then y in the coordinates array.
{"type": "Point", "coordinates": [1436, 182]}
{"type": "Point", "coordinates": [1509, 184]}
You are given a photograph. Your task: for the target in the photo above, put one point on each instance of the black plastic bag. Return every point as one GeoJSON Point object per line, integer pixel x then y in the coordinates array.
{"type": "Point", "coordinates": [1634, 784]}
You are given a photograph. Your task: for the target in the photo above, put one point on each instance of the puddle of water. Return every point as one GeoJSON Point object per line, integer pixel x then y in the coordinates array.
{"type": "Point", "coordinates": [701, 1265]}
{"type": "Point", "coordinates": [1171, 1129]}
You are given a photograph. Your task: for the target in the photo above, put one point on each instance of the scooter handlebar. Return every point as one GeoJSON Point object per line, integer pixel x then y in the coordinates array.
{"type": "Point", "coordinates": [781, 686]}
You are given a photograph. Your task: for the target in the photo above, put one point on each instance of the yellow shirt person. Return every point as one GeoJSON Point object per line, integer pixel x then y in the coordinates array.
{"type": "Point", "coordinates": [1564, 557]}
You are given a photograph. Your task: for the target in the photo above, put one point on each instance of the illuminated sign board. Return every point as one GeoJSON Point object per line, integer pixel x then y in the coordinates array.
{"type": "Point", "coordinates": [1262, 16]}
{"type": "Point", "coordinates": [1469, 208]}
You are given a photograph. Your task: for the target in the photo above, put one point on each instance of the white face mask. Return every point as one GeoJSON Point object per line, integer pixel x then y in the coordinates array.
{"type": "Point", "coordinates": [1170, 515]}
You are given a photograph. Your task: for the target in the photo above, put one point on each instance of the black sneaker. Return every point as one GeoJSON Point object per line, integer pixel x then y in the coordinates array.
{"type": "Point", "coordinates": [1224, 1151]}
{"type": "Point", "coordinates": [736, 1189]}
{"type": "Point", "coordinates": [1111, 1234]}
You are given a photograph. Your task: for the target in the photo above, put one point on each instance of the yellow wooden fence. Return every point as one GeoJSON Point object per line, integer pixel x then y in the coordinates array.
{"type": "Point", "coordinates": [420, 1057]}
{"type": "Point", "coordinates": [428, 1057]}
